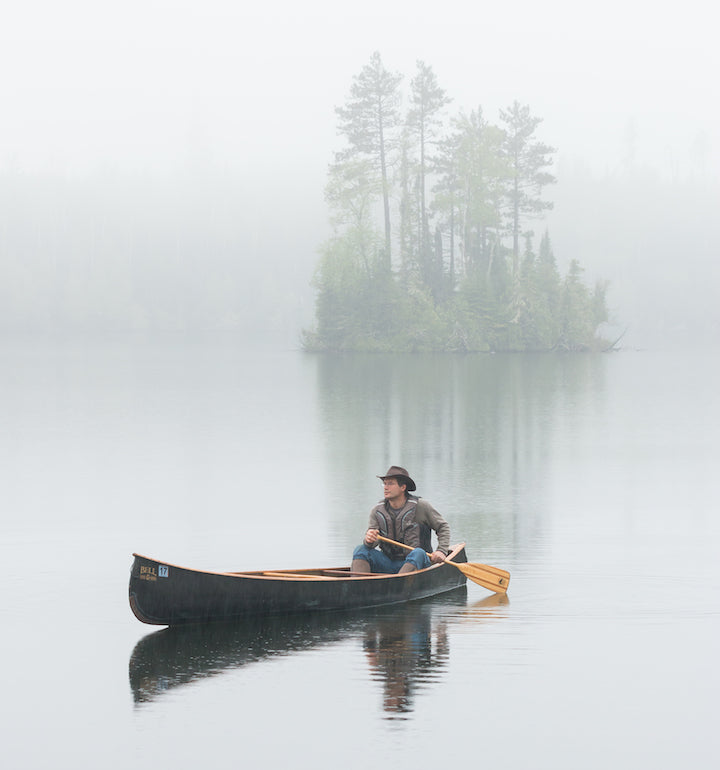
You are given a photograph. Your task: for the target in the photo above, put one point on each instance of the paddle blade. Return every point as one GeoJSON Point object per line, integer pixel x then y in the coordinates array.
{"type": "Point", "coordinates": [492, 578]}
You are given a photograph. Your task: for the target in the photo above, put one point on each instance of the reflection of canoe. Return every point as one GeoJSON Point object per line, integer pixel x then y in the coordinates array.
{"type": "Point", "coordinates": [164, 594]}
{"type": "Point", "coordinates": [182, 655]}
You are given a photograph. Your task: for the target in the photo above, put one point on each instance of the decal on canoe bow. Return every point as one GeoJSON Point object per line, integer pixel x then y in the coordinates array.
{"type": "Point", "coordinates": [147, 572]}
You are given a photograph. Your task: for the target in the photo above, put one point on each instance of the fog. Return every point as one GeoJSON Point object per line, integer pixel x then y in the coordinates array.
{"type": "Point", "coordinates": [162, 164]}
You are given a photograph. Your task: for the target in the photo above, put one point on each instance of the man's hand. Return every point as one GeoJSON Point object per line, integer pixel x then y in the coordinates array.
{"type": "Point", "coordinates": [437, 556]}
{"type": "Point", "coordinates": [371, 536]}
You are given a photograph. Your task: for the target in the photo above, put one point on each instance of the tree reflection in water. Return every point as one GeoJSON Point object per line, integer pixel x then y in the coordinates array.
{"type": "Point", "coordinates": [407, 647]}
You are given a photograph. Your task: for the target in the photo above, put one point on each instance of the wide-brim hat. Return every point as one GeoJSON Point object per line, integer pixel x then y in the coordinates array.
{"type": "Point", "coordinates": [396, 472]}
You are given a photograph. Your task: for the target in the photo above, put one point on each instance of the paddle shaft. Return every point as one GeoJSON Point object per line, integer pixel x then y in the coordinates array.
{"type": "Point", "coordinates": [492, 578]}
{"type": "Point", "coordinates": [395, 542]}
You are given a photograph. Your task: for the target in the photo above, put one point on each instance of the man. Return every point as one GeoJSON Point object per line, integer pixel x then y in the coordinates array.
{"type": "Point", "coordinates": [406, 519]}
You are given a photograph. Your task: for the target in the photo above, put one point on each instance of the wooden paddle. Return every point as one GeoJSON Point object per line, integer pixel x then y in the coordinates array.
{"type": "Point", "coordinates": [492, 578]}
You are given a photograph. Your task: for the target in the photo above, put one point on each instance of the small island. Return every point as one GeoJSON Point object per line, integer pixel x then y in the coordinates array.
{"type": "Point", "coordinates": [431, 248]}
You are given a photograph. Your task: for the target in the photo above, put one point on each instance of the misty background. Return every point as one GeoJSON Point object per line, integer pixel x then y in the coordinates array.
{"type": "Point", "coordinates": [162, 165]}
{"type": "Point", "coordinates": [162, 168]}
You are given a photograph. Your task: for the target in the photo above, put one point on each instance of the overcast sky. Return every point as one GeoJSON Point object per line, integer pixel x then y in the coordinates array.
{"type": "Point", "coordinates": [90, 82]}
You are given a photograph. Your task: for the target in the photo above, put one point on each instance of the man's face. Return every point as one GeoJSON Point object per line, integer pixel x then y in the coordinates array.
{"type": "Point", "coordinates": [392, 489]}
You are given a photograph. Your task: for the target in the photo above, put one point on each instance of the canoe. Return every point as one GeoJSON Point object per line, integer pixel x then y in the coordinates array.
{"type": "Point", "coordinates": [168, 595]}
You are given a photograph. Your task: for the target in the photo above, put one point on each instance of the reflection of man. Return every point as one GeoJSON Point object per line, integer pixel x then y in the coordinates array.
{"type": "Point", "coordinates": [407, 519]}
{"type": "Point", "coordinates": [400, 652]}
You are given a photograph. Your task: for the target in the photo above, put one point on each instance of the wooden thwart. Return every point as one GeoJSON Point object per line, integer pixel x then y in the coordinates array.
{"type": "Point", "coordinates": [492, 578]}
{"type": "Point", "coordinates": [297, 575]}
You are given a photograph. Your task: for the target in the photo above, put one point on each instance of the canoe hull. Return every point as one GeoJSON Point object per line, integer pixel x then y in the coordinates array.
{"type": "Point", "coordinates": [165, 594]}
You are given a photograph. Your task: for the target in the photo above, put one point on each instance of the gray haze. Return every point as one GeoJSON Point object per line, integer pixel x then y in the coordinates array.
{"type": "Point", "coordinates": [162, 164]}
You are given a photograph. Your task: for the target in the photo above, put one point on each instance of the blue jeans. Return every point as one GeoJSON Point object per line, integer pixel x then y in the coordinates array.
{"type": "Point", "coordinates": [379, 562]}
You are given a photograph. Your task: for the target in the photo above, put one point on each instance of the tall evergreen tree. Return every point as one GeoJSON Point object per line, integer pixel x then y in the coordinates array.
{"type": "Point", "coordinates": [447, 199]}
{"type": "Point", "coordinates": [424, 121]}
{"type": "Point", "coordinates": [528, 161]}
{"type": "Point", "coordinates": [548, 283]}
{"type": "Point", "coordinates": [480, 178]}
{"type": "Point", "coordinates": [369, 121]}
{"type": "Point", "coordinates": [577, 320]}
{"type": "Point", "coordinates": [409, 264]}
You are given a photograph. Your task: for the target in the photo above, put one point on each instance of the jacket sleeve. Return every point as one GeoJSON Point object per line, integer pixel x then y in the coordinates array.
{"type": "Point", "coordinates": [372, 524]}
{"type": "Point", "coordinates": [426, 514]}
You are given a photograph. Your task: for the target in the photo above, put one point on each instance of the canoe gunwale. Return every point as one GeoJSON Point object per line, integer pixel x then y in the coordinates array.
{"type": "Point", "coordinates": [303, 574]}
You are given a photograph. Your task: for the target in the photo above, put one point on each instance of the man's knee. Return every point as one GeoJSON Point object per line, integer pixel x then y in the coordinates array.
{"type": "Point", "coordinates": [362, 552]}
{"type": "Point", "coordinates": [419, 558]}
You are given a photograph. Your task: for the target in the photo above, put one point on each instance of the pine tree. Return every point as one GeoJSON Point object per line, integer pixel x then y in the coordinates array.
{"type": "Point", "coordinates": [548, 282]}
{"type": "Point", "coordinates": [528, 161]}
{"type": "Point", "coordinates": [424, 120]}
{"type": "Point", "coordinates": [577, 326]}
{"type": "Point", "coordinates": [369, 121]}
{"type": "Point", "coordinates": [480, 178]}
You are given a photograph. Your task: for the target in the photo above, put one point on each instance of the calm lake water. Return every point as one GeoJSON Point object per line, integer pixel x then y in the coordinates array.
{"type": "Point", "coordinates": [593, 479]}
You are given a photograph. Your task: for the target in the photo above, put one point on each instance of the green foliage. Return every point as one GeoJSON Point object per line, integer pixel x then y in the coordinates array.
{"type": "Point", "coordinates": [581, 312]}
{"type": "Point", "coordinates": [458, 285]}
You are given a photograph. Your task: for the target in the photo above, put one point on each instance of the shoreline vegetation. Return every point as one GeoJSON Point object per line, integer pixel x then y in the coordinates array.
{"type": "Point", "coordinates": [431, 248]}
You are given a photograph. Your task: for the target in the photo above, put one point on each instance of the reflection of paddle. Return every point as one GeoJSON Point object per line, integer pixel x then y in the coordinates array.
{"type": "Point", "coordinates": [492, 578]}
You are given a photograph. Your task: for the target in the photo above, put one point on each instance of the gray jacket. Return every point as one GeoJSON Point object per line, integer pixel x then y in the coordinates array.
{"type": "Point", "coordinates": [412, 525]}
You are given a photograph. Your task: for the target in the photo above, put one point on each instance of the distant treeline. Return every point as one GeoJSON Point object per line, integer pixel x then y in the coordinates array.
{"type": "Point", "coordinates": [431, 248]}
